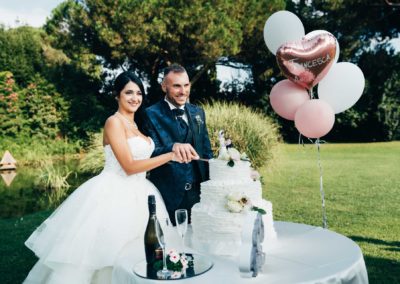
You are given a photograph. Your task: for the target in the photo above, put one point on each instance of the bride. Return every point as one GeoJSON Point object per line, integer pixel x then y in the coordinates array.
{"type": "Point", "coordinates": [81, 240]}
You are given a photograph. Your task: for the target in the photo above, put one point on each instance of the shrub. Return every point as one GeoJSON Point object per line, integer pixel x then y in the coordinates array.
{"type": "Point", "coordinates": [249, 130]}
{"type": "Point", "coordinates": [34, 111]}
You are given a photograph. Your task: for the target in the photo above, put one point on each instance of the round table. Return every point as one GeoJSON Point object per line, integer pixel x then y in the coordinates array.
{"type": "Point", "coordinates": [300, 254]}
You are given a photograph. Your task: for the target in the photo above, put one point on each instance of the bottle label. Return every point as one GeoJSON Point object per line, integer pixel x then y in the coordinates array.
{"type": "Point", "coordinates": [158, 254]}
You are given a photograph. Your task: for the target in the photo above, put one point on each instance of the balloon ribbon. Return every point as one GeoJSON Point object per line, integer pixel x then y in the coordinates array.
{"type": "Point", "coordinates": [321, 186]}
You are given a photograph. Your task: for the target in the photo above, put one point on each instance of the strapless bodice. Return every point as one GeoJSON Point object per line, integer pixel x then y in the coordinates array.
{"type": "Point", "coordinates": [140, 149]}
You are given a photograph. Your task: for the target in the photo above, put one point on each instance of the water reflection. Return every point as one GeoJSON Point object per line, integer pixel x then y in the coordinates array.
{"type": "Point", "coordinates": [20, 193]}
{"type": "Point", "coordinates": [8, 176]}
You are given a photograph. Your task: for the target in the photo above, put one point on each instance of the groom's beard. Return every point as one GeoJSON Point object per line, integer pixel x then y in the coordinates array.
{"type": "Point", "coordinates": [171, 98]}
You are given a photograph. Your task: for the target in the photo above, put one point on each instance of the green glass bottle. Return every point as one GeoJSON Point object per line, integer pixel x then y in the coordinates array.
{"type": "Point", "coordinates": [152, 247]}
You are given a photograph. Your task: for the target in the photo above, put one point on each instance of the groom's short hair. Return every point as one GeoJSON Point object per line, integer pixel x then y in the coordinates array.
{"type": "Point", "coordinates": [174, 68]}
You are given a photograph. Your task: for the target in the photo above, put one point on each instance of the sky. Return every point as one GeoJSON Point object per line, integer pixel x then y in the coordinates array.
{"type": "Point", "coordinates": [31, 12]}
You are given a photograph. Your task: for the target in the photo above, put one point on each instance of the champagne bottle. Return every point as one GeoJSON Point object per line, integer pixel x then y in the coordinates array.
{"type": "Point", "coordinates": [152, 247]}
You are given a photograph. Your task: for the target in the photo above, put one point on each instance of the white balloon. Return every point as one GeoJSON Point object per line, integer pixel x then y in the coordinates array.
{"type": "Point", "coordinates": [282, 27]}
{"type": "Point", "coordinates": [342, 86]}
{"type": "Point", "coordinates": [318, 32]}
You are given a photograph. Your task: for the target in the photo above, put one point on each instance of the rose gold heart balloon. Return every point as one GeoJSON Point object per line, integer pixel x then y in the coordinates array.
{"type": "Point", "coordinates": [307, 61]}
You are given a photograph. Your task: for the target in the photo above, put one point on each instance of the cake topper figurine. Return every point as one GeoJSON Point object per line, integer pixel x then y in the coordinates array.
{"type": "Point", "coordinates": [223, 153]}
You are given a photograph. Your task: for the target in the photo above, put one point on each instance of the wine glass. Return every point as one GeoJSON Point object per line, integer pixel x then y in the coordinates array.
{"type": "Point", "coordinates": [181, 219]}
{"type": "Point", "coordinates": [164, 273]}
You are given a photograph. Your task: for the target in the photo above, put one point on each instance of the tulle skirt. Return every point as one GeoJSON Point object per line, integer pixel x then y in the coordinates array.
{"type": "Point", "coordinates": [85, 234]}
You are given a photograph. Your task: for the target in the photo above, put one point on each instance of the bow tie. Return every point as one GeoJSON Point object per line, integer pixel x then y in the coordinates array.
{"type": "Point", "coordinates": [178, 112]}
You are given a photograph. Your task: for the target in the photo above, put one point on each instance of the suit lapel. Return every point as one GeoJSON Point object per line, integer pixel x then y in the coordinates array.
{"type": "Point", "coordinates": [167, 116]}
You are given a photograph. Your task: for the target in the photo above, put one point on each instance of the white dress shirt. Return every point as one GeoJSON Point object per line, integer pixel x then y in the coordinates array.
{"type": "Point", "coordinates": [171, 106]}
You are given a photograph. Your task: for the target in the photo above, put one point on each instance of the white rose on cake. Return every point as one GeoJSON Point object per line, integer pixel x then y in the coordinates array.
{"type": "Point", "coordinates": [237, 202]}
{"type": "Point", "coordinates": [234, 206]}
{"type": "Point", "coordinates": [234, 196]}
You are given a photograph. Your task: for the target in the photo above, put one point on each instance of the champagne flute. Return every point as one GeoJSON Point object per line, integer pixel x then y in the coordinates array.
{"type": "Point", "coordinates": [164, 273]}
{"type": "Point", "coordinates": [181, 219]}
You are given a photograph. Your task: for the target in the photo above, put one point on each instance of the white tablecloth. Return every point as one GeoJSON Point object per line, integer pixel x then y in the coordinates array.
{"type": "Point", "coordinates": [300, 254]}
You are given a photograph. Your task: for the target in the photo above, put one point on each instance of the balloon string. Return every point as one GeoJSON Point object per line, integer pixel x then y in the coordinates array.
{"type": "Point", "coordinates": [300, 140]}
{"type": "Point", "coordinates": [321, 186]}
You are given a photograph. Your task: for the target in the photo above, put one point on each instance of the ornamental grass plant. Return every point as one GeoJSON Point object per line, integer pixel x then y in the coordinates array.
{"type": "Point", "coordinates": [54, 180]}
{"type": "Point", "coordinates": [93, 161]}
{"type": "Point", "coordinates": [250, 131]}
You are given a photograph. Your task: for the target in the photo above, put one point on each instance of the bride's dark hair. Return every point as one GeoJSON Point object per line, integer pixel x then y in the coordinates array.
{"type": "Point", "coordinates": [120, 83]}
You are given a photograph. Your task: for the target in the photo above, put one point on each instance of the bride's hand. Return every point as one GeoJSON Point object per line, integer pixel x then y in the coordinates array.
{"type": "Point", "coordinates": [175, 158]}
{"type": "Point", "coordinates": [185, 152]}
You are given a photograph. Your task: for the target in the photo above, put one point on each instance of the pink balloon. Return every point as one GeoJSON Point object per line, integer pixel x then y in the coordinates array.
{"type": "Point", "coordinates": [307, 61]}
{"type": "Point", "coordinates": [314, 118]}
{"type": "Point", "coordinates": [286, 97]}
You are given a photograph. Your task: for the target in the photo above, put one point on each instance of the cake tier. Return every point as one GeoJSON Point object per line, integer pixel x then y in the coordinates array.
{"type": "Point", "coordinates": [214, 192]}
{"type": "Point", "coordinates": [219, 170]}
{"type": "Point", "coordinates": [219, 231]}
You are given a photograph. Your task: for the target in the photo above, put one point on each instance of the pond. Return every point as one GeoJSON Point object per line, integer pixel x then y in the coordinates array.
{"type": "Point", "coordinates": [21, 194]}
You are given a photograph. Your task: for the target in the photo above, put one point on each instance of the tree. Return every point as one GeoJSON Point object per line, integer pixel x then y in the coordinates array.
{"type": "Point", "coordinates": [148, 35]}
{"type": "Point", "coordinates": [11, 120]}
{"type": "Point", "coordinates": [36, 110]}
{"type": "Point", "coordinates": [21, 52]}
{"type": "Point", "coordinates": [145, 36]}
{"type": "Point", "coordinates": [28, 54]}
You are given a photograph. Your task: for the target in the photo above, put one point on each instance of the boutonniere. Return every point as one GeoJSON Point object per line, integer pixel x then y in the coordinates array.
{"type": "Point", "coordinates": [199, 121]}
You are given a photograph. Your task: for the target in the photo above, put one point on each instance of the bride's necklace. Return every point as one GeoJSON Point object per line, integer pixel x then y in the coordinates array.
{"type": "Point", "coordinates": [131, 123]}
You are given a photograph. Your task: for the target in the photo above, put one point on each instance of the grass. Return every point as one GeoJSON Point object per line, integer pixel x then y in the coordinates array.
{"type": "Point", "coordinates": [362, 195]}
{"type": "Point", "coordinates": [35, 151]}
{"type": "Point", "coordinates": [17, 260]}
{"type": "Point", "coordinates": [362, 188]}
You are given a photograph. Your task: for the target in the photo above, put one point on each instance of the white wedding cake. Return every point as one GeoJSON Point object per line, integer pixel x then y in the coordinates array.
{"type": "Point", "coordinates": [217, 221]}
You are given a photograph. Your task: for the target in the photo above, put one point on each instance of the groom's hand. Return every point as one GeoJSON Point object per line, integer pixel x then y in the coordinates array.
{"type": "Point", "coordinates": [185, 152]}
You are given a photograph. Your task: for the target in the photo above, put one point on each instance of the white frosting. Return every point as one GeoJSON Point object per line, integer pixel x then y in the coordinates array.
{"type": "Point", "coordinates": [219, 170]}
{"type": "Point", "coordinates": [214, 192]}
{"type": "Point", "coordinates": [215, 229]}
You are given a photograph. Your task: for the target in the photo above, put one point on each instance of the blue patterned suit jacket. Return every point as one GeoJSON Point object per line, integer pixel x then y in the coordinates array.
{"type": "Point", "coordinates": [161, 125]}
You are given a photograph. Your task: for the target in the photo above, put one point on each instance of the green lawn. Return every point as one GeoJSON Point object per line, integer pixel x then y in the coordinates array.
{"type": "Point", "coordinates": [362, 194]}
{"type": "Point", "coordinates": [362, 187]}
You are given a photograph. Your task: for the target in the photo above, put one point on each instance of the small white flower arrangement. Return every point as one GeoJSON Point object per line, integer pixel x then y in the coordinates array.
{"type": "Point", "coordinates": [239, 202]}
{"type": "Point", "coordinates": [176, 262]}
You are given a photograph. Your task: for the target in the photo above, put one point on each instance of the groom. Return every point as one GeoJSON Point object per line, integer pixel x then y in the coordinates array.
{"type": "Point", "coordinates": [176, 125]}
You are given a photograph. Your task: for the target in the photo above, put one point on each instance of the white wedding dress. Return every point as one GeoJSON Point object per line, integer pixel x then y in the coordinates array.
{"type": "Point", "coordinates": [82, 239]}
